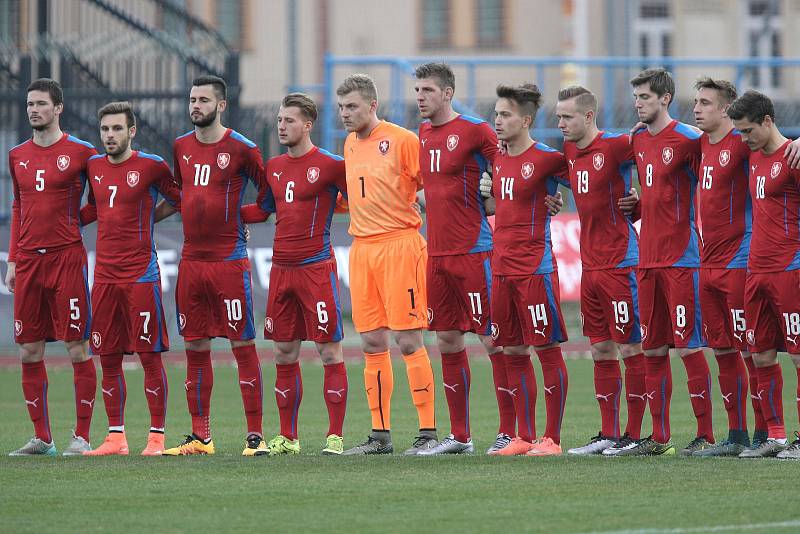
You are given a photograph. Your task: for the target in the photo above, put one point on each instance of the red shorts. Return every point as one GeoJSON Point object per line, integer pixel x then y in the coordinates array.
{"type": "Point", "coordinates": [772, 309]}
{"type": "Point", "coordinates": [610, 306]}
{"type": "Point", "coordinates": [51, 298]}
{"type": "Point", "coordinates": [722, 302]}
{"type": "Point", "coordinates": [128, 318]}
{"type": "Point", "coordinates": [458, 293]}
{"type": "Point", "coordinates": [669, 307]}
{"type": "Point", "coordinates": [526, 310]}
{"type": "Point", "coordinates": [303, 303]}
{"type": "Point", "coordinates": [215, 299]}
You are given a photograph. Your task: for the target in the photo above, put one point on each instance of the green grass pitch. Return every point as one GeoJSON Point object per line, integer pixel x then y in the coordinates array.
{"type": "Point", "coordinates": [227, 492]}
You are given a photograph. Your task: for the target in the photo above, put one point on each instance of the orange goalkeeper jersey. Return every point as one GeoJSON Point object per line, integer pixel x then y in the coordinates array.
{"type": "Point", "coordinates": [382, 180]}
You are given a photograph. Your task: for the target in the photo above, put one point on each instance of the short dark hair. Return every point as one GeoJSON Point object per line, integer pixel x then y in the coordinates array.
{"type": "Point", "coordinates": [220, 87]}
{"type": "Point", "coordinates": [660, 81]}
{"type": "Point", "coordinates": [440, 71]}
{"type": "Point", "coordinates": [114, 108]}
{"type": "Point", "coordinates": [725, 89]}
{"type": "Point", "coordinates": [584, 98]}
{"type": "Point", "coordinates": [527, 96]}
{"type": "Point", "coordinates": [303, 102]}
{"type": "Point", "coordinates": [753, 106]}
{"type": "Point", "coordinates": [49, 86]}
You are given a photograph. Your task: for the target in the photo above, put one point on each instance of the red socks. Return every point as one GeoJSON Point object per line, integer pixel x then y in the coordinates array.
{"type": "Point", "coordinates": [770, 389]}
{"type": "Point", "coordinates": [755, 399]}
{"type": "Point", "coordinates": [288, 394]}
{"type": "Point", "coordinates": [733, 385]}
{"type": "Point", "coordinates": [522, 388]}
{"type": "Point", "coordinates": [250, 386]}
{"type": "Point", "coordinates": [199, 383]}
{"type": "Point", "coordinates": [114, 389]}
{"type": "Point", "coordinates": [85, 382]}
{"type": "Point", "coordinates": [456, 377]}
{"type": "Point", "coordinates": [556, 383]}
{"type": "Point", "coordinates": [607, 387]}
{"type": "Point", "coordinates": [505, 401]}
{"type": "Point", "coordinates": [34, 389]}
{"type": "Point", "coordinates": [155, 388]}
{"type": "Point", "coordinates": [635, 393]}
{"type": "Point", "coordinates": [699, 382]}
{"type": "Point", "coordinates": [659, 392]}
{"type": "Point", "coordinates": [334, 390]}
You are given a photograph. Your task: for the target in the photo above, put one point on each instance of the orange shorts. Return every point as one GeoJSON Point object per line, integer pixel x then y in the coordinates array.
{"type": "Point", "coordinates": [387, 282]}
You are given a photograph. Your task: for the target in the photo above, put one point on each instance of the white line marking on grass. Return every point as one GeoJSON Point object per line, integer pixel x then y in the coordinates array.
{"type": "Point", "coordinates": [714, 528]}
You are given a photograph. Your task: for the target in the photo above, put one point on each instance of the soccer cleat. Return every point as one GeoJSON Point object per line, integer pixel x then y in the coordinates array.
{"type": "Point", "coordinates": [35, 447]}
{"type": "Point", "coordinates": [766, 449]}
{"type": "Point", "coordinates": [334, 445]}
{"type": "Point", "coordinates": [624, 443]}
{"type": "Point", "coordinates": [191, 445]}
{"type": "Point", "coordinates": [544, 447]}
{"type": "Point", "coordinates": [371, 446]}
{"type": "Point", "coordinates": [449, 445]}
{"type": "Point", "coordinates": [155, 444]}
{"type": "Point", "coordinates": [76, 446]}
{"type": "Point", "coordinates": [726, 448]}
{"type": "Point", "coordinates": [792, 452]}
{"type": "Point", "coordinates": [648, 447]}
{"type": "Point", "coordinates": [596, 445]}
{"type": "Point", "coordinates": [501, 442]}
{"type": "Point", "coordinates": [282, 445]}
{"type": "Point", "coordinates": [759, 437]}
{"type": "Point", "coordinates": [254, 445]}
{"type": "Point", "coordinates": [698, 444]}
{"type": "Point", "coordinates": [516, 447]}
{"type": "Point", "coordinates": [425, 441]}
{"type": "Point", "coordinates": [115, 444]}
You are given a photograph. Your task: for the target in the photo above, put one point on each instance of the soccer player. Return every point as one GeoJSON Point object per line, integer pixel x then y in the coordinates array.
{"type": "Point", "coordinates": [303, 301]}
{"type": "Point", "coordinates": [726, 218]}
{"type": "Point", "coordinates": [599, 171]}
{"type": "Point", "coordinates": [771, 303]}
{"type": "Point", "coordinates": [47, 269]}
{"type": "Point", "coordinates": [126, 296]}
{"type": "Point", "coordinates": [213, 165]}
{"type": "Point", "coordinates": [387, 261]}
{"type": "Point", "coordinates": [667, 152]}
{"type": "Point", "coordinates": [525, 299]}
{"type": "Point", "coordinates": [455, 151]}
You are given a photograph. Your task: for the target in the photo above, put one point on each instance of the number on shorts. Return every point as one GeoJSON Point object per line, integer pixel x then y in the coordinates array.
{"type": "Point", "coordinates": [792, 321]}
{"type": "Point", "coordinates": [74, 310]}
{"type": "Point", "coordinates": [538, 314]}
{"type": "Point", "coordinates": [322, 313]}
{"type": "Point", "coordinates": [475, 303]}
{"type": "Point", "coordinates": [201, 174]}
{"type": "Point", "coordinates": [234, 309]}
{"type": "Point", "coordinates": [146, 315]}
{"type": "Point", "coordinates": [621, 314]}
{"type": "Point", "coordinates": [739, 324]}
{"type": "Point", "coordinates": [680, 316]}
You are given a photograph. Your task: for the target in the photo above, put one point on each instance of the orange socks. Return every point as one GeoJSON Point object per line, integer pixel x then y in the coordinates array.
{"type": "Point", "coordinates": [379, 383]}
{"type": "Point", "coordinates": [420, 381]}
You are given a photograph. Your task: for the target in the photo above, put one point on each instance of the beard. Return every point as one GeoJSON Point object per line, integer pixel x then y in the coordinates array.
{"type": "Point", "coordinates": [122, 146]}
{"type": "Point", "coordinates": [205, 120]}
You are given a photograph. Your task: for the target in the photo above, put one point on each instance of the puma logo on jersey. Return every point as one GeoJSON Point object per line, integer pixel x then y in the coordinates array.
{"type": "Point", "coordinates": [701, 395]}
{"type": "Point", "coordinates": [186, 158]}
{"type": "Point", "coordinates": [251, 383]}
{"type": "Point", "coordinates": [277, 175]}
{"type": "Point", "coordinates": [451, 388]}
{"type": "Point", "coordinates": [33, 402]}
{"type": "Point", "coordinates": [99, 178]}
{"type": "Point", "coordinates": [153, 392]}
{"type": "Point", "coordinates": [143, 338]}
{"type": "Point", "coordinates": [512, 392]}
{"type": "Point", "coordinates": [571, 163]}
{"type": "Point", "coordinates": [641, 155]}
{"type": "Point", "coordinates": [24, 164]}
{"type": "Point", "coordinates": [549, 390]}
{"type": "Point", "coordinates": [727, 398]}
{"type": "Point", "coordinates": [323, 328]}
{"type": "Point", "coordinates": [604, 397]}
{"type": "Point", "coordinates": [423, 141]}
{"type": "Point", "coordinates": [421, 389]}
{"type": "Point", "coordinates": [109, 392]}
{"type": "Point", "coordinates": [283, 393]}
{"type": "Point", "coordinates": [89, 403]}
{"type": "Point", "coordinates": [339, 392]}
{"type": "Point", "coordinates": [497, 169]}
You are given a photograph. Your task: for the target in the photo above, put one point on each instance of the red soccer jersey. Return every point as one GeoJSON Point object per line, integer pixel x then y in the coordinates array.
{"type": "Point", "coordinates": [775, 189]}
{"type": "Point", "coordinates": [666, 164]}
{"type": "Point", "coordinates": [124, 196]}
{"type": "Point", "coordinates": [302, 193]}
{"type": "Point", "coordinates": [726, 212]}
{"type": "Point", "coordinates": [452, 158]}
{"type": "Point", "coordinates": [48, 185]}
{"type": "Point", "coordinates": [599, 175]}
{"type": "Point", "coordinates": [522, 243]}
{"type": "Point", "coordinates": [213, 178]}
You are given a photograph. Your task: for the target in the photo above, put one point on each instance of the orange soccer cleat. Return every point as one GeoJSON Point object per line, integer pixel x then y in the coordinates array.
{"type": "Point", "coordinates": [115, 444]}
{"type": "Point", "coordinates": [517, 447]}
{"type": "Point", "coordinates": [544, 447]}
{"type": "Point", "coordinates": [155, 444]}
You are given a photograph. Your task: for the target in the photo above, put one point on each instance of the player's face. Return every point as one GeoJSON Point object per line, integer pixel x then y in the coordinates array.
{"type": "Point", "coordinates": [431, 98]}
{"type": "Point", "coordinates": [293, 126]}
{"type": "Point", "coordinates": [571, 121]}
{"type": "Point", "coordinates": [755, 135]}
{"type": "Point", "coordinates": [708, 111]}
{"type": "Point", "coordinates": [41, 110]}
{"type": "Point", "coordinates": [115, 134]}
{"type": "Point", "coordinates": [204, 106]}
{"type": "Point", "coordinates": [647, 103]}
{"type": "Point", "coordinates": [509, 122]}
{"type": "Point", "coordinates": [356, 111]}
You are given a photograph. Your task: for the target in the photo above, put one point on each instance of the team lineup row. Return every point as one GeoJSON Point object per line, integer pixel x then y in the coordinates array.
{"type": "Point", "coordinates": [640, 294]}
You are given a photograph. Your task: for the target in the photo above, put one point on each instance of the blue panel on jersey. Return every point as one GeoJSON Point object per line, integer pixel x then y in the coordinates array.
{"type": "Point", "coordinates": [242, 139]}
{"type": "Point", "coordinates": [151, 274]}
{"type": "Point", "coordinates": [330, 155]}
{"type": "Point", "coordinates": [631, 258]}
{"type": "Point", "coordinates": [159, 345]}
{"type": "Point", "coordinates": [691, 256]}
{"type": "Point", "coordinates": [80, 142]}
{"type": "Point", "coordinates": [687, 131]}
{"type": "Point", "coordinates": [268, 204]}
{"type": "Point", "coordinates": [240, 250]}
{"type": "Point", "coordinates": [88, 326]}
{"type": "Point", "coordinates": [190, 132]}
{"type": "Point", "coordinates": [339, 334]}
{"type": "Point", "coordinates": [484, 242]}
{"type": "Point", "coordinates": [96, 156]}
{"type": "Point", "coordinates": [636, 329]}
{"type": "Point", "coordinates": [558, 335]}
{"type": "Point", "coordinates": [473, 120]}
{"type": "Point", "coordinates": [739, 261]}
{"type": "Point", "coordinates": [698, 339]}
{"type": "Point", "coordinates": [250, 329]}
{"type": "Point", "coordinates": [153, 157]}
{"type": "Point", "coordinates": [544, 148]}
{"type": "Point", "coordinates": [610, 135]}
{"type": "Point", "coordinates": [325, 253]}
{"type": "Point", "coordinates": [487, 274]}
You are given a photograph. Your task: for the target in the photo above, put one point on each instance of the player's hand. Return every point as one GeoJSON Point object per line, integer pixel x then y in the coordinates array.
{"type": "Point", "coordinates": [11, 276]}
{"type": "Point", "coordinates": [792, 154]}
{"type": "Point", "coordinates": [490, 205]}
{"type": "Point", "coordinates": [485, 186]}
{"type": "Point", "coordinates": [636, 127]}
{"type": "Point", "coordinates": [246, 232]}
{"type": "Point", "coordinates": [502, 147]}
{"type": "Point", "coordinates": [417, 207]}
{"type": "Point", "coordinates": [554, 203]}
{"type": "Point", "coordinates": [628, 203]}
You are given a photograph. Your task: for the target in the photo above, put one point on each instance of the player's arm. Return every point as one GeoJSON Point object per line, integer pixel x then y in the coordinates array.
{"type": "Point", "coordinates": [792, 154]}
{"type": "Point", "coordinates": [489, 150]}
{"type": "Point", "coordinates": [409, 154]}
{"type": "Point", "coordinates": [88, 213]}
{"type": "Point", "coordinates": [342, 206]}
{"type": "Point", "coordinates": [11, 274]}
{"type": "Point", "coordinates": [169, 189]}
{"type": "Point", "coordinates": [560, 174]}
